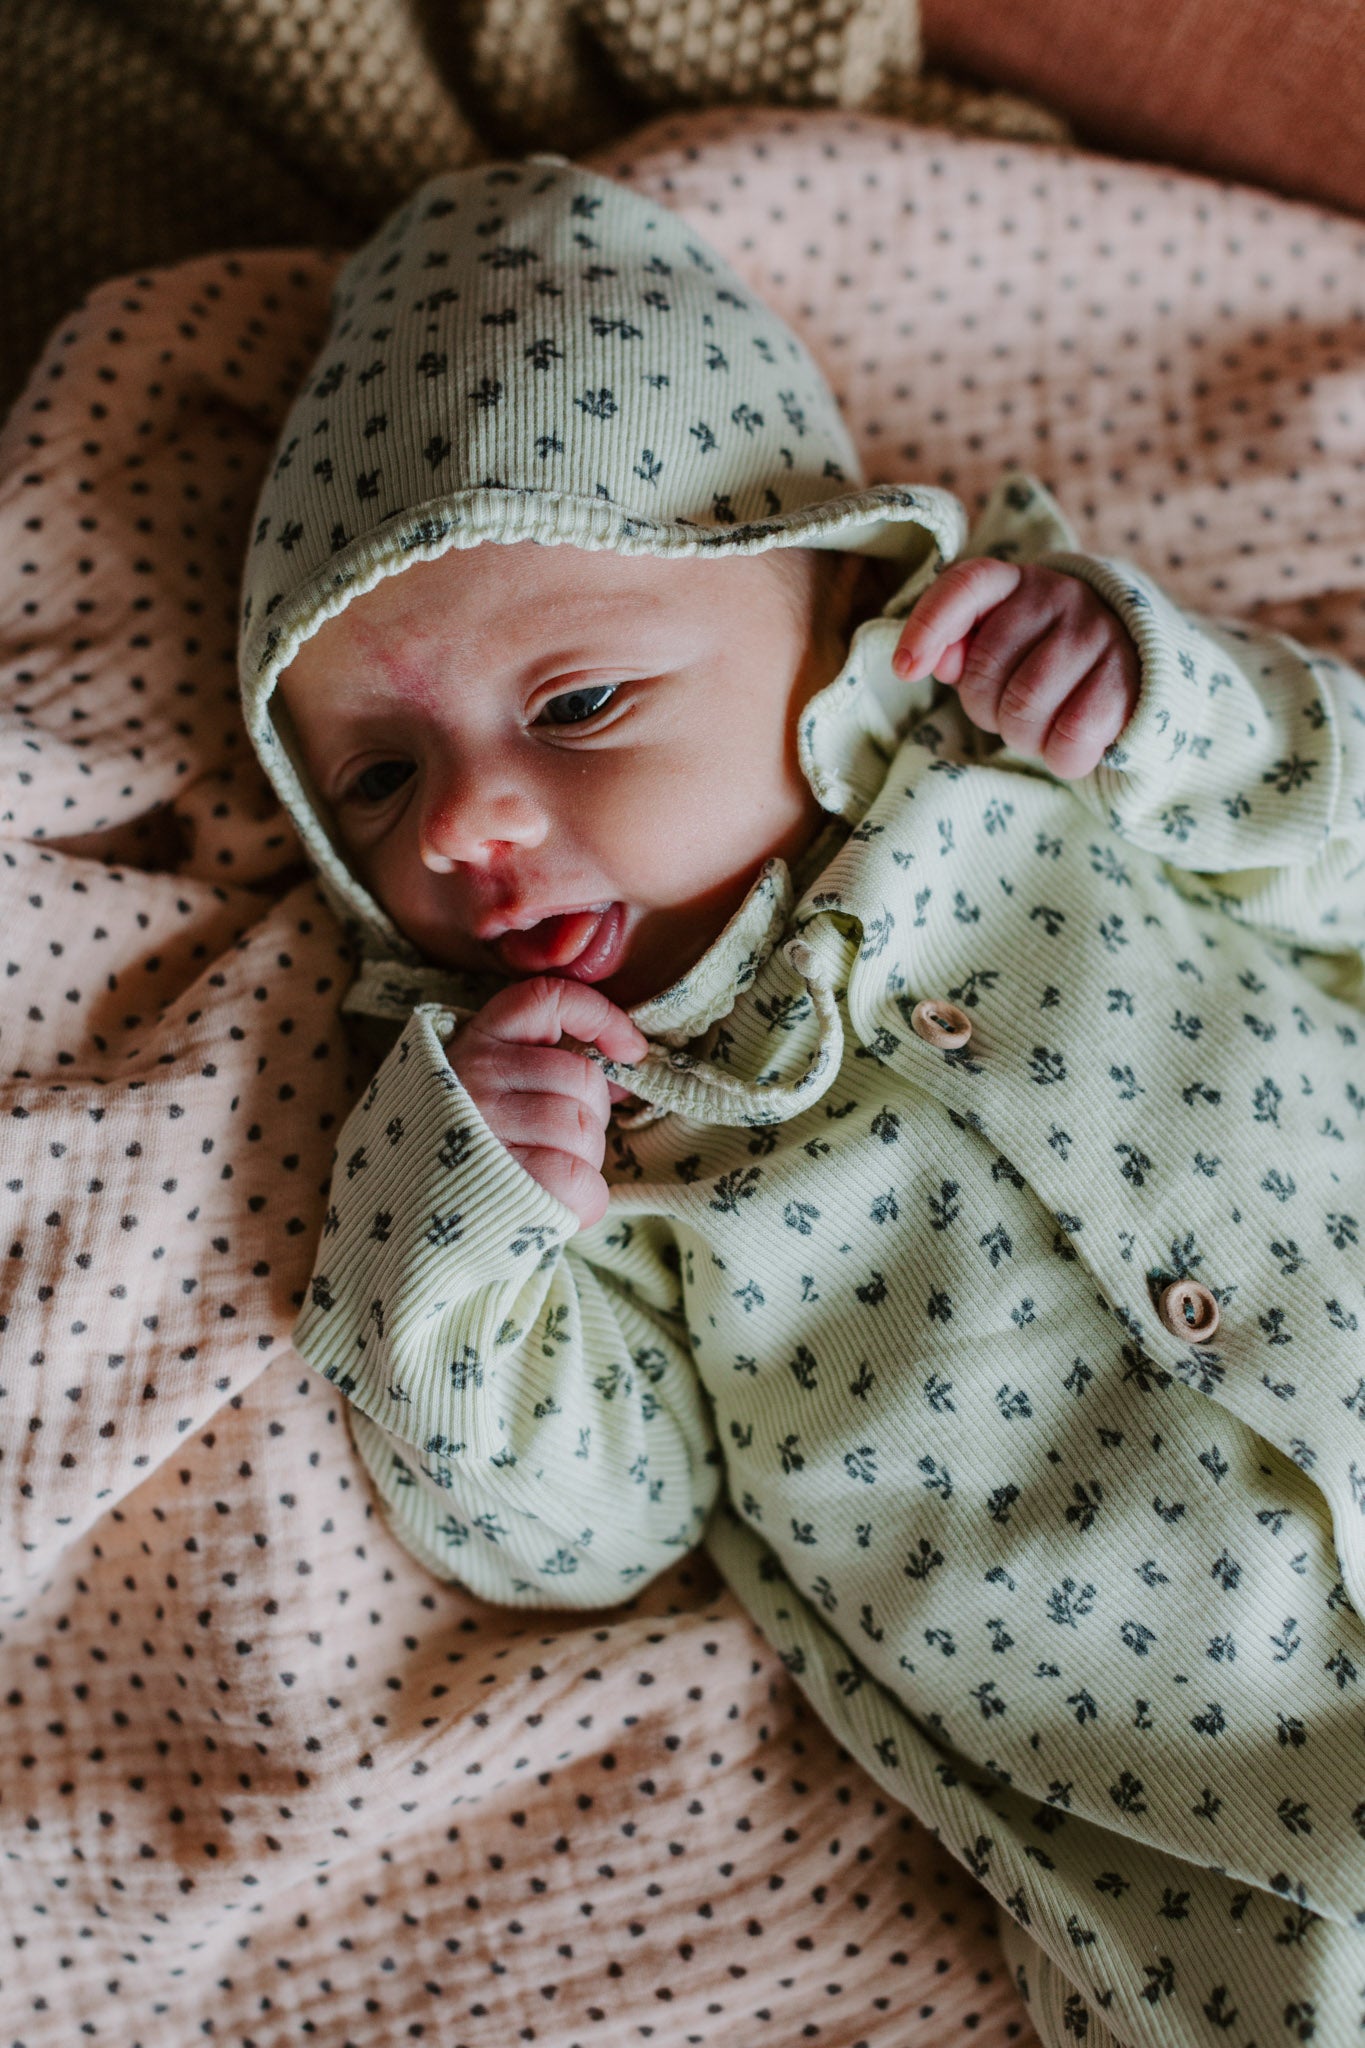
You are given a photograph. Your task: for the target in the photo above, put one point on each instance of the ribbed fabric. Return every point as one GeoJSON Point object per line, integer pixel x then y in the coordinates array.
{"type": "Point", "coordinates": [1060, 2013]}
{"type": "Point", "coordinates": [1067, 1585]}
{"type": "Point", "coordinates": [381, 1289]}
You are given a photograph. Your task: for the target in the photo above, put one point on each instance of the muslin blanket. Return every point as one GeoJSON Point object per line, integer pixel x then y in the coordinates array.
{"type": "Point", "coordinates": [262, 1781]}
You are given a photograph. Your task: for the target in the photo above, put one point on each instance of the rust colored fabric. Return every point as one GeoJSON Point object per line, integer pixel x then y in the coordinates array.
{"type": "Point", "coordinates": [1265, 90]}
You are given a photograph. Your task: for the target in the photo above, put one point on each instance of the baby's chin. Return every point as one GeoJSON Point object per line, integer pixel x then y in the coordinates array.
{"type": "Point", "coordinates": [664, 948]}
{"type": "Point", "coordinates": [629, 987]}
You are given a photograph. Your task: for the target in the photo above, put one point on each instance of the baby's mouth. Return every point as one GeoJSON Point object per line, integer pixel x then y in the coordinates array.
{"type": "Point", "coordinates": [580, 945]}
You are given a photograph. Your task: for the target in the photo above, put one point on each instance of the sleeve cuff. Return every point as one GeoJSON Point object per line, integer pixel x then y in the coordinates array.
{"type": "Point", "coordinates": [1198, 730]}
{"type": "Point", "coordinates": [430, 1219]}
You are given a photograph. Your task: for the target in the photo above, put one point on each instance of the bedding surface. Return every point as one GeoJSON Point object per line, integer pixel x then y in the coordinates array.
{"type": "Point", "coordinates": [262, 1780]}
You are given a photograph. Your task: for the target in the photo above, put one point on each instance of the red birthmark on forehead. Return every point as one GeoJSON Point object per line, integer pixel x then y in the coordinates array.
{"type": "Point", "coordinates": [394, 657]}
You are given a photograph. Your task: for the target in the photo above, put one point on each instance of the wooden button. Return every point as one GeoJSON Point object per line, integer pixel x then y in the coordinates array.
{"type": "Point", "coordinates": [941, 1024]}
{"type": "Point", "coordinates": [1189, 1311]}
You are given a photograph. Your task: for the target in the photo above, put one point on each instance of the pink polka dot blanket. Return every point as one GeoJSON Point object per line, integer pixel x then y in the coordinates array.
{"type": "Point", "coordinates": [263, 1781]}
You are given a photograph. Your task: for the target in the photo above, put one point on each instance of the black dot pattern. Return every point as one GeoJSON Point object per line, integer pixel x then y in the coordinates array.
{"type": "Point", "coordinates": [263, 1781]}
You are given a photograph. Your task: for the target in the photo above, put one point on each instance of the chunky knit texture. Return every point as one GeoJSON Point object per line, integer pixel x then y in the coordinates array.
{"type": "Point", "coordinates": [135, 132]}
{"type": "Point", "coordinates": [139, 131]}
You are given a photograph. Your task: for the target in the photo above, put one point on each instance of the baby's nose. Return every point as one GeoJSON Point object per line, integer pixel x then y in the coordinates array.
{"type": "Point", "coordinates": [476, 826]}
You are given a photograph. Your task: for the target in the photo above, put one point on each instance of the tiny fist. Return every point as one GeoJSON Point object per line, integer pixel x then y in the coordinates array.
{"type": "Point", "coordinates": [523, 1060]}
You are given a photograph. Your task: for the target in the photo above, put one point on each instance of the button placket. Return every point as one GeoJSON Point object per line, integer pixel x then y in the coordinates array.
{"type": "Point", "coordinates": [1189, 1311]}
{"type": "Point", "coordinates": [941, 1024]}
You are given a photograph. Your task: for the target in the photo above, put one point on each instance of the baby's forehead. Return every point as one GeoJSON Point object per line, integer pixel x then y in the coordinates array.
{"type": "Point", "coordinates": [492, 615]}
{"type": "Point", "coordinates": [522, 587]}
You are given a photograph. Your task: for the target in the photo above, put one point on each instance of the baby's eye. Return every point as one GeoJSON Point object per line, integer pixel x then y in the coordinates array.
{"type": "Point", "coordinates": [576, 705]}
{"type": "Point", "coordinates": [380, 780]}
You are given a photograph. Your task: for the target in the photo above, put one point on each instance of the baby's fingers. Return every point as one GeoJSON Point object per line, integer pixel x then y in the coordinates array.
{"type": "Point", "coordinates": [950, 664]}
{"type": "Point", "coordinates": [1092, 717]}
{"type": "Point", "coordinates": [546, 1008]}
{"type": "Point", "coordinates": [568, 1178]}
{"type": "Point", "coordinates": [943, 620]}
{"type": "Point", "coordinates": [564, 1123]}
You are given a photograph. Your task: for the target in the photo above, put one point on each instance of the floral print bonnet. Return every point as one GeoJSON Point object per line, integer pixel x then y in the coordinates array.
{"type": "Point", "coordinates": [528, 351]}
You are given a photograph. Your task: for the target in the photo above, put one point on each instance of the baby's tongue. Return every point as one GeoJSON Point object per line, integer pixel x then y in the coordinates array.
{"type": "Point", "coordinates": [554, 942]}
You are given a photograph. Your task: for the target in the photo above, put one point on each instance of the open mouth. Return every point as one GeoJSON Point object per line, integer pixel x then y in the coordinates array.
{"type": "Point", "coordinates": [581, 945]}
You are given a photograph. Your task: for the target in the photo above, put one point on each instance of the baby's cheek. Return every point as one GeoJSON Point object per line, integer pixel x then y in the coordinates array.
{"type": "Point", "coordinates": [384, 877]}
{"type": "Point", "coordinates": [421, 904]}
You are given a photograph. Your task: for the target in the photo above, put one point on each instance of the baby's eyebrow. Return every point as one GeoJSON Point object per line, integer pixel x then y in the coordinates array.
{"type": "Point", "coordinates": [637, 633]}
{"type": "Point", "coordinates": [571, 662]}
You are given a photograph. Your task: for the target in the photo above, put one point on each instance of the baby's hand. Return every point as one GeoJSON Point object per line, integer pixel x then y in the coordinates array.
{"type": "Point", "coordinates": [547, 1105]}
{"type": "Point", "coordinates": [1034, 655]}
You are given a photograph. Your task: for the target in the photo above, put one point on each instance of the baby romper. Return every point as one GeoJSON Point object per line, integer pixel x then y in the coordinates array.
{"type": "Point", "coordinates": [881, 1315]}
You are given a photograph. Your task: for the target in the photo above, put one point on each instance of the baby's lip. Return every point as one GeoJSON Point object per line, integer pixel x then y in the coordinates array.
{"type": "Point", "coordinates": [497, 924]}
{"type": "Point", "coordinates": [582, 945]}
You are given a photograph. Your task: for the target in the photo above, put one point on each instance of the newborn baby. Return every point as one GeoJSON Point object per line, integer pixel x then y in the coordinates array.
{"type": "Point", "coordinates": [571, 768]}
{"type": "Point", "coordinates": [877, 1082]}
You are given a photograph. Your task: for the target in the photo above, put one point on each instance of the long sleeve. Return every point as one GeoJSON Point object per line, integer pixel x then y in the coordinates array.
{"type": "Point", "coordinates": [527, 1405]}
{"type": "Point", "coordinates": [1243, 763]}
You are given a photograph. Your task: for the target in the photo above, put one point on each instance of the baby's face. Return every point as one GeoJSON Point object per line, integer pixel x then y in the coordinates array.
{"type": "Point", "coordinates": [546, 760]}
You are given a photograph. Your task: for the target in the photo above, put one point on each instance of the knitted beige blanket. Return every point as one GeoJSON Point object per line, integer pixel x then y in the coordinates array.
{"type": "Point", "coordinates": [135, 132]}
